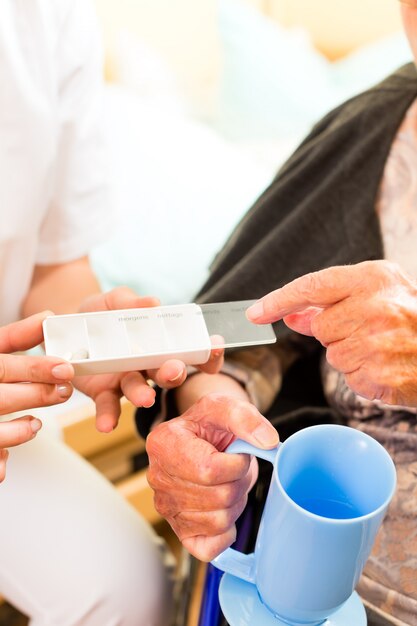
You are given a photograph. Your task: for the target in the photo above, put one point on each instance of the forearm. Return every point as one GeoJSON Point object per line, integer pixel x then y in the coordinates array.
{"type": "Point", "coordinates": [200, 384]}
{"type": "Point", "coordinates": [60, 288]}
{"type": "Point", "coordinates": [253, 374]}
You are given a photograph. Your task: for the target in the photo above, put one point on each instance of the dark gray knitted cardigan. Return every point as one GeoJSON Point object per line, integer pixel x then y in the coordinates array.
{"type": "Point", "coordinates": [319, 211]}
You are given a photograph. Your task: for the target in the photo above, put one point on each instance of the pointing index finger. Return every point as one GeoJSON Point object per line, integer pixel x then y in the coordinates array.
{"type": "Point", "coordinates": [319, 289]}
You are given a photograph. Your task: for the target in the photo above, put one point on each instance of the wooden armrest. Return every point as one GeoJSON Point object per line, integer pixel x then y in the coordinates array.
{"type": "Point", "coordinates": [136, 490]}
{"type": "Point", "coordinates": [80, 433]}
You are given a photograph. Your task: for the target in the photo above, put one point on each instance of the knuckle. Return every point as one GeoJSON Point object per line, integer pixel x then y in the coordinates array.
{"type": "Point", "coordinates": [162, 505]}
{"type": "Point", "coordinates": [151, 442]}
{"type": "Point", "coordinates": [223, 521]}
{"type": "Point", "coordinates": [307, 285]}
{"type": "Point", "coordinates": [316, 325]}
{"type": "Point", "coordinates": [357, 384]}
{"type": "Point", "coordinates": [388, 267]}
{"type": "Point", "coordinates": [383, 272]}
{"type": "Point", "coordinates": [152, 478]}
{"type": "Point", "coordinates": [179, 529]}
{"type": "Point", "coordinates": [227, 495]}
{"type": "Point", "coordinates": [388, 394]}
{"type": "Point", "coordinates": [46, 394]}
{"type": "Point", "coordinates": [184, 524]}
{"type": "Point", "coordinates": [206, 473]}
{"type": "Point", "coordinates": [33, 371]}
{"type": "Point", "coordinates": [333, 356]}
{"type": "Point", "coordinates": [271, 302]}
{"type": "Point", "coordinates": [155, 439]}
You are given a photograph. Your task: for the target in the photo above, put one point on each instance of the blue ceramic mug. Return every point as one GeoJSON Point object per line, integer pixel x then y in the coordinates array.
{"type": "Point", "coordinates": [330, 488]}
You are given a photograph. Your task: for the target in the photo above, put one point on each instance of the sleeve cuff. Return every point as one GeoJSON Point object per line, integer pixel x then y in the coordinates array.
{"type": "Point", "coordinates": [165, 407]}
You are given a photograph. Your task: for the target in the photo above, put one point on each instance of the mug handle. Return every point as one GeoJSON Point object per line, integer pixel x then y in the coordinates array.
{"type": "Point", "coordinates": [231, 561]}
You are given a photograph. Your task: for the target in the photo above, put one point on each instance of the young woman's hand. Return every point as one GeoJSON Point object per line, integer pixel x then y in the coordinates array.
{"type": "Point", "coordinates": [27, 382]}
{"type": "Point", "coordinates": [107, 389]}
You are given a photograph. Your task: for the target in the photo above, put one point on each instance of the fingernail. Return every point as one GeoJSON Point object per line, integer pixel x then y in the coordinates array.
{"type": "Point", "coordinates": [64, 391]}
{"type": "Point", "coordinates": [35, 425]}
{"type": "Point", "coordinates": [63, 371]}
{"type": "Point", "coordinates": [256, 310]}
{"type": "Point", "coordinates": [177, 377]}
{"type": "Point", "coordinates": [266, 435]}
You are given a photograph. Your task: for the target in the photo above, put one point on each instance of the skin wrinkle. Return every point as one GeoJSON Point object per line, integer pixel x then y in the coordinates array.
{"type": "Point", "coordinates": [306, 305]}
{"type": "Point", "coordinates": [224, 494]}
{"type": "Point", "coordinates": [223, 501]}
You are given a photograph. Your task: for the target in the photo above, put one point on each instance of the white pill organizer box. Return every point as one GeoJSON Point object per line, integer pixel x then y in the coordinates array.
{"type": "Point", "coordinates": [139, 339]}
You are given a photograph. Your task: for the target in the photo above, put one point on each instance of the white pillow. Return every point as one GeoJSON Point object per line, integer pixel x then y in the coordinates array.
{"type": "Point", "coordinates": [179, 190]}
{"type": "Point", "coordinates": [274, 82]}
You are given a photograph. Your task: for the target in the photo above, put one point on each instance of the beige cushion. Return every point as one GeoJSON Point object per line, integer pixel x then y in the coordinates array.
{"type": "Point", "coordinates": [184, 32]}
{"type": "Point", "coordinates": [339, 26]}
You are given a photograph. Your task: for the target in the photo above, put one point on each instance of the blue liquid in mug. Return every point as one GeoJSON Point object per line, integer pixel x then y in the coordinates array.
{"type": "Point", "coordinates": [317, 491]}
{"type": "Point", "coordinates": [333, 509]}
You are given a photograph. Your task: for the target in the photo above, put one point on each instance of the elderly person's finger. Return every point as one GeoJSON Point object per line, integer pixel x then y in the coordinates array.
{"type": "Point", "coordinates": [302, 320]}
{"type": "Point", "coordinates": [208, 426]}
{"type": "Point", "coordinates": [172, 494]}
{"type": "Point", "coordinates": [324, 288]}
{"type": "Point", "coordinates": [318, 289]}
{"type": "Point", "coordinates": [222, 414]}
{"type": "Point", "coordinates": [176, 446]}
{"type": "Point", "coordinates": [188, 524]}
{"type": "Point", "coordinates": [18, 431]}
{"type": "Point", "coordinates": [199, 489]}
{"type": "Point", "coordinates": [368, 388]}
{"type": "Point", "coordinates": [349, 355]}
{"type": "Point", "coordinates": [337, 322]}
{"type": "Point", "coordinates": [206, 548]}
{"type": "Point", "coordinates": [385, 379]}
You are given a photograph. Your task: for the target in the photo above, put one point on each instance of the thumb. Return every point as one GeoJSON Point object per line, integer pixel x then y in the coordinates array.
{"type": "Point", "coordinates": [231, 414]}
{"type": "Point", "coordinates": [301, 321]}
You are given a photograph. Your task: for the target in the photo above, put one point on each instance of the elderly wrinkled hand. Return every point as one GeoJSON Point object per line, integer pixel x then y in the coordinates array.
{"type": "Point", "coordinates": [107, 389]}
{"type": "Point", "coordinates": [365, 315]}
{"type": "Point", "coordinates": [199, 489]}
